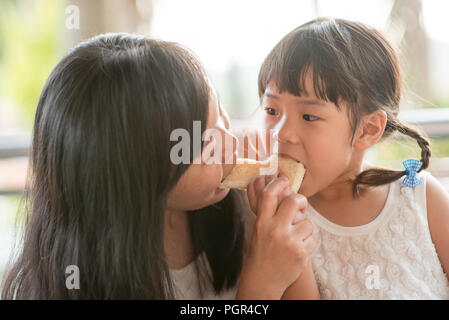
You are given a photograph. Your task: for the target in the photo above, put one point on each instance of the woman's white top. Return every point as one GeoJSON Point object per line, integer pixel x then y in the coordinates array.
{"type": "Point", "coordinates": [186, 282]}
{"type": "Point", "coordinates": [392, 257]}
{"type": "Point", "coordinates": [187, 287]}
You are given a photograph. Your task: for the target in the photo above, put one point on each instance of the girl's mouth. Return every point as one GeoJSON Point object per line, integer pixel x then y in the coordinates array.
{"type": "Point", "coordinates": [285, 155]}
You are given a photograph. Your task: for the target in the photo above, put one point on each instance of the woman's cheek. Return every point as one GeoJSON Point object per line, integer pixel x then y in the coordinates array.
{"type": "Point", "coordinates": [215, 175]}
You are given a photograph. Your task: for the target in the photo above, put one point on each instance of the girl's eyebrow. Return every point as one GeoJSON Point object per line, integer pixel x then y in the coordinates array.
{"type": "Point", "coordinates": [270, 95]}
{"type": "Point", "coordinates": [299, 100]}
{"type": "Point", "coordinates": [314, 102]}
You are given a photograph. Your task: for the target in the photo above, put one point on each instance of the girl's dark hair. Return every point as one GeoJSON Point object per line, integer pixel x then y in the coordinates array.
{"type": "Point", "coordinates": [100, 172]}
{"type": "Point", "coordinates": [349, 62]}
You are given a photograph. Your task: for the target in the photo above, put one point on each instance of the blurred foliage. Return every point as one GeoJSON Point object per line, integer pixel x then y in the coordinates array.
{"type": "Point", "coordinates": [440, 148]}
{"type": "Point", "coordinates": [395, 150]}
{"type": "Point", "coordinates": [30, 46]}
{"type": "Point", "coordinates": [11, 204]}
{"type": "Point", "coordinates": [31, 33]}
{"type": "Point", "coordinates": [440, 102]}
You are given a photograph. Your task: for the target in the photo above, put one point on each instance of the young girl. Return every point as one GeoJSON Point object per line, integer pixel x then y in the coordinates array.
{"type": "Point", "coordinates": [110, 216]}
{"type": "Point", "coordinates": [332, 88]}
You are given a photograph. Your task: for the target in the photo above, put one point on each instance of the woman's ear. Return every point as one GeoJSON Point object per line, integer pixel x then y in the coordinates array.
{"type": "Point", "coordinates": [370, 130]}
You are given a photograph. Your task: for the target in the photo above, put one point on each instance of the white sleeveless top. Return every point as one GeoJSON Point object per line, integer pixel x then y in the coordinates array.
{"type": "Point", "coordinates": [392, 257]}
{"type": "Point", "coordinates": [186, 282]}
{"type": "Point", "coordinates": [187, 287]}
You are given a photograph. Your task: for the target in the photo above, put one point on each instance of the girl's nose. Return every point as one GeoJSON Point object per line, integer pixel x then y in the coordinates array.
{"type": "Point", "coordinates": [288, 133]}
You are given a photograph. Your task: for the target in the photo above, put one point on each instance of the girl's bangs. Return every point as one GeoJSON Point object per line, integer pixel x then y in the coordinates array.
{"type": "Point", "coordinates": [295, 57]}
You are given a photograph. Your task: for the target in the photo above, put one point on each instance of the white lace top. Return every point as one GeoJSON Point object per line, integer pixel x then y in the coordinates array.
{"type": "Point", "coordinates": [392, 257]}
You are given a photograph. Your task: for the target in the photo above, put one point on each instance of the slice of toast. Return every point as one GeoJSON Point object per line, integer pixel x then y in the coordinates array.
{"type": "Point", "coordinates": [294, 171]}
{"type": "Point", "coordinates": [246, 169]}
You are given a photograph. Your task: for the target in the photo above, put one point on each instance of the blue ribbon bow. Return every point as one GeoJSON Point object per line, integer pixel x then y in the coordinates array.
{"type": "Point", "coordinates": [411, 169]}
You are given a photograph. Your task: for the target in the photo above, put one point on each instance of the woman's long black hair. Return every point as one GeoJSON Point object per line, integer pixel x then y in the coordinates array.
{"type": "Point", "coordinates": [100, 172]}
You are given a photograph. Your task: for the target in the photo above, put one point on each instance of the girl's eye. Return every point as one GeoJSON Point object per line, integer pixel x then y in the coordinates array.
{"type": "Point", "coordinates": [309, 117]}
{"type": "Point", "coordinates": [271, 111]}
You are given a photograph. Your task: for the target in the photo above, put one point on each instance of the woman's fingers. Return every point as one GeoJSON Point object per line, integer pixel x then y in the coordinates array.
{"type": "Point", "coordinates": [270, 197]}
{"type": "Point", "coordinates": [279, 248]}
{"type": "Point", "coordinates": [255, 189]}
{"type": "Point", "coordinates": [303, 233]}
{"type": "Point", "coordinates": [289, 208]}
{"type": "Point", "coordinates": [298, 217]}
{"type": "Point", "coordinates": [304, 229]}
{"type": "Point", "coordinates": [310, 244]}
{"type": "Point", "coordinates": [252, 198]}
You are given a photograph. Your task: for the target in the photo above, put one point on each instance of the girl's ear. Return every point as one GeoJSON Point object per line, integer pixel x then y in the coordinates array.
{"type": "Point", "coordinates": [370, 130]}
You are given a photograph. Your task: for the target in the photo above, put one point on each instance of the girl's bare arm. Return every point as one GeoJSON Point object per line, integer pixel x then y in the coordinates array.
{"type": "Point", "coordinates": [304, 288]}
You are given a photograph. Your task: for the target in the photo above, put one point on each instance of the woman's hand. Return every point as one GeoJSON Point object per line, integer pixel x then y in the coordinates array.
{"type": "Point", "coordinates": [282, 241]}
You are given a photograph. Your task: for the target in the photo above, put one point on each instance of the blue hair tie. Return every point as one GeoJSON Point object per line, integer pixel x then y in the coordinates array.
{"type": "Point", "coordinates": [411, 169]}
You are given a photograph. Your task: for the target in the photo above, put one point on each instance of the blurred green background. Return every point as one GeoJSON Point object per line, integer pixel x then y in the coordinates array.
{"type": "Point", "coordinates": [231, 38]}
{"type": "Point", "coordinates": [30, 45]}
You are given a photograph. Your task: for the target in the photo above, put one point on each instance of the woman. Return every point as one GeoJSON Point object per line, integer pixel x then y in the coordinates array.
{"type": "Point", "coordinates": [104, 195]}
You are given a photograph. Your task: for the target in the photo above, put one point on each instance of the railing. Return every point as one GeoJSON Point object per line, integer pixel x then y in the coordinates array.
{"type": "Point", "coordinates": [13, 146]}
{"type": "Point", "coordinates": [434, 122]}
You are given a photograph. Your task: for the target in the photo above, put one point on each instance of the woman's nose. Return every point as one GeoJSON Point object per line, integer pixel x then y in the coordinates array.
{"type": "Point", "coordinates": [230, 146]}
{"type": "Point", "coordinates": [229, 152]}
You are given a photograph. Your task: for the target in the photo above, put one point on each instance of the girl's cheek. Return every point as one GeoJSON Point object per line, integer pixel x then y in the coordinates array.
{"type": "Point", "coordinates": [268, 125]}
{"type": "Point", "coordinates": [270, 122]}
